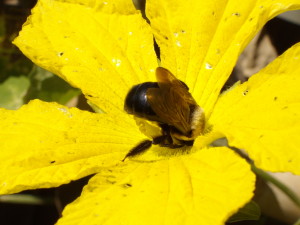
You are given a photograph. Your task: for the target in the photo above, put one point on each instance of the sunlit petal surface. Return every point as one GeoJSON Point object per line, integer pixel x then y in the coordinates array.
{"type": "Point", "coordinates": [201, 188]}
{"type": "Point", "coordinates": [200, 41]}
{"type": "Point", "coordinates": [46, 144]}
{"type": "Point", "coordinates": [95, 47]}
{"type": "Point", "coordinates": [262, 115]}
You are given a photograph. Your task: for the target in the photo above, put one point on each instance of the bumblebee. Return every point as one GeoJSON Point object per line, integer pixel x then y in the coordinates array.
{"type": "Point", "coordinates": [168, 103]}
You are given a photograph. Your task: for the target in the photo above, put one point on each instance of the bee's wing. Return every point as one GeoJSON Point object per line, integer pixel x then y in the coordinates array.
{"type": "Point", "coordinates": [165, 78]}
{"type": "Point", "coordinates": [171, 101]}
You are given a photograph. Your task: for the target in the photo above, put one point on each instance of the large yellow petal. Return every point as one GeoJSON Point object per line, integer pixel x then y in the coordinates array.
{"type": "Point", "coordinates": [46, 144]}
{"type": "Point", "coordinates": [200, 41]}
{"type": "Point", "coordinates": [94, 47]}
{"type": "Point", "coordinates": [202, 188]}
{"type": "Point", "coordinates": [262, 115]}
{"type": "Point", "coordinates": [108, 6]}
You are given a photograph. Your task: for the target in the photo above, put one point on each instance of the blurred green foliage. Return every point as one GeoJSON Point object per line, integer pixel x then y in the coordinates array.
{"type": "Point", "coordinates": [12, 92]}
{"type": "Point", "coordinates": [251, 211]}
{"type": "Point", "coordinates": [48, 87]}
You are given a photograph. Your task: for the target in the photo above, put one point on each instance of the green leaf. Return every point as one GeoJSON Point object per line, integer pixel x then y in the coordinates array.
{"type": "Point", "coordinates": [48, 87]}
{"type": "Point", "coordinates": [12, 92]}
{"type": "Point", "coordinates": [250, 211]}
{"type": "Point", "coordinates": [297, 223]}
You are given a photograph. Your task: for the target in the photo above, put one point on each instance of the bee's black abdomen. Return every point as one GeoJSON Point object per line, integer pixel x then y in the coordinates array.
{"type": "Point", "coordinates": [136, 100]}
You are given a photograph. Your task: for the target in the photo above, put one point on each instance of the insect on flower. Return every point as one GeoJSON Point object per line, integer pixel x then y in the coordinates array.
{"type": "Point", "coordinates": [168, 103]}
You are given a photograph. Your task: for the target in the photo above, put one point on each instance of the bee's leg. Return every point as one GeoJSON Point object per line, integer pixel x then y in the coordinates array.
{"type": "Point", "coordinates": [143, 146]}
{"type": "Point", "coordinates": [166, 139]}
{"type": "Point", "coordinates": [181, 143]}
{"type": "Point", "coordinates": [159, 140]}
{"type": "Point", "coordinates": [188, 143]}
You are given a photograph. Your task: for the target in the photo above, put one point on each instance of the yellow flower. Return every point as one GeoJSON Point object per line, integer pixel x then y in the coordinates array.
{"type": "Point", "coordinates": [104, 48]}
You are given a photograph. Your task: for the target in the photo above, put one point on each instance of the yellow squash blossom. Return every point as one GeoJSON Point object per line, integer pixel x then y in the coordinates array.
{"type": "Point", "coordinates": [106, 47]}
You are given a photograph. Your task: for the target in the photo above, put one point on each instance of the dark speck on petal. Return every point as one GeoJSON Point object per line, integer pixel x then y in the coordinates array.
{"type": "Point", "coordinates": [127, 185]}
{"type": "Point", "coordinates": [245, 92]}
